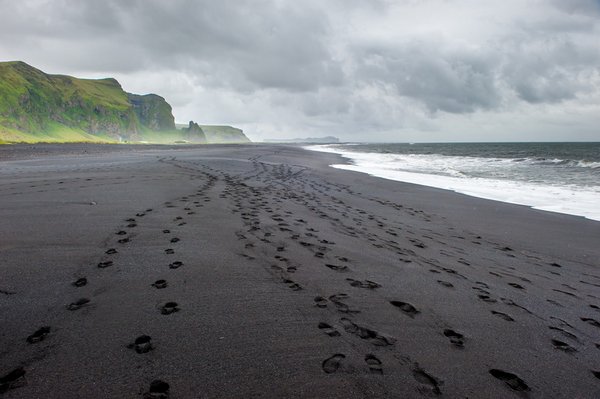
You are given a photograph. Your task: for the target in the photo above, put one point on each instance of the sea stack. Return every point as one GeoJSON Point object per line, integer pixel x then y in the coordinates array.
{"type": "Point", "coordinates": [194, 133]}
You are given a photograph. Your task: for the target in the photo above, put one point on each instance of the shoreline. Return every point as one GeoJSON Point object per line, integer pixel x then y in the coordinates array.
{"type": "Point", "coordinates": [550, 198]}
{"type": "Point", "coordinates": [295, 279]}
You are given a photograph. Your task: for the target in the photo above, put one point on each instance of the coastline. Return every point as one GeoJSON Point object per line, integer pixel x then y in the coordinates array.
{"type": "Point", "coordinates": [463, 285]}
{"type": "Point", "coordinates": [552, 196]}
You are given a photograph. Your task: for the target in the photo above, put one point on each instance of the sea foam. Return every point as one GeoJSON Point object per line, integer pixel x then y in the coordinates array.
{"type": "Point", "coordinates": [447, 173]}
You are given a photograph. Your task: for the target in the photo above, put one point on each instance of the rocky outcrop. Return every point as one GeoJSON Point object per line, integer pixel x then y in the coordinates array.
{"type": "Point", "coordinates": [194, 133]}
{"type": "Point", "coordinates": [152, 111]}
{"type": "Point", "coordinates": [38, 106]}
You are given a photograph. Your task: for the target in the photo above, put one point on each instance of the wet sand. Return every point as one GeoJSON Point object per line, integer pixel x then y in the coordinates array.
{"type": "Point", "coordinates": [259, 271]}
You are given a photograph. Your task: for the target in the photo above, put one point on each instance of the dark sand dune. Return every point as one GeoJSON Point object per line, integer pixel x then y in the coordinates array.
{"type": "Point", "coordinates": [258, 271]}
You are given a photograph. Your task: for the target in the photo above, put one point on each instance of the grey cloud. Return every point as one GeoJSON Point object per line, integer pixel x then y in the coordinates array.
{"type": "Point", "coordinates": [578, 6]}
{"type": "Point", "coordinates": [551, 69]}
{"type": "Point", "coordinates": [454, 81]}
{"type": "Point", "coordinates": [342, 65]}
{"type": "Point", "coordinates": [259, 44]}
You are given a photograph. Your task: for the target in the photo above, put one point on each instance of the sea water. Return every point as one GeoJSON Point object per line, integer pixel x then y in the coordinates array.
{"type": "Point", "coordinates": [556, 177]}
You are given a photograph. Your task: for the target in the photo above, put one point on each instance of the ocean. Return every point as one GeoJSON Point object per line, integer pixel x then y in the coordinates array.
{"type": "Point", "coordinates": [556, 177]}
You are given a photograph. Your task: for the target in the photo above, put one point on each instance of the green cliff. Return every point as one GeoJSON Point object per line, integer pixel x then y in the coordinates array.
{"type": "Point", "coordinates": [218, 134]}
{"type": "Point", "coordinates": [38, 107]}
{"type": "Point", "coordinates": [224, 134]}
{"type": "Point", "coordinates": [152, 111]}
{"type": "Point", "coordinates": [35, 106]}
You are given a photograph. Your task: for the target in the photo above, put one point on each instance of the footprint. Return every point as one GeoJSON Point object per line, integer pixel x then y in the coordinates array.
{"type": "Point", "coordinates": [39, 335]}
{"type": "Point", "coordinates": [332, 364]}
{"type": "Point", "coordinates": [432, 384]}
{"type": "Point", "coordinates": [78, 304]}
{"type": "Point", "coordinates": [292, 284]}
{"type": "Point", "coordinates": [457, 339]}
{"type": "Point", "coordinates": [142, 344]}
{"type": "Point", "coordinates": [374, 364]}
{"type": "Point", "coordinates": [554, 303]}
{"type": "Point", "coordinates": [320, 302]}
{"type": "Point", "coordinates": [121, 233]}
{"type": "Point", "coordinates": [158, 390]}
{"type": "Point", "coordinates": [337, 268]}
{"type": "Point", "coordinates": [564, 332]}
{"type": "Point", "coordinates": [103, 265]}
{"type": "Point", "coordinates": [175, 239]}
{"type": "Point", "coordinates": [80, 282]}
{"type": "Point", "coordinates": [123, 240]}
{"type": "Point", "coordinates": [111, 251]}
{"type": "Point", "coordinates": [169, 308]}
{"type": "Point", "coordinates": [445, 283]}
{"type": "Point", "coordinates": [596, 374]}
{"type": "Point", "coordinates": [166, 231]}
{"type": "Point", "coordinates": [159, 284]}
{"type": "Point", "coordinates": [591, 321]}
{"type": "Point", "coordinates": [503, 316]}
{"type": "Point", "coordinates": [512, 380]}
{"type": "Point", "coordinates": [363, 284]}
{"type": "Point", "coordinates": [329, 330]}
{"type": "Point", "coordinates": [175, 265]}
{"type": "Point", "coordinates": [341, 306]}
{"type": "Point", "coordinates": [563, 346]}
{"type": "Point", "coordinates": [406, 307]}
{"type": "Point", "coordinates": [12, 380]}
{"type": "Point", "coordinates": [486, 298]}
{"type": "Point", "coordinates": [169, 251]}
{"type": "Point", "coordinates": [366, 333]}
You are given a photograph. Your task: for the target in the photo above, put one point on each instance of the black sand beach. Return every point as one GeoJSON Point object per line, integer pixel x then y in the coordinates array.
{"type": "Point", "coordinates": [283, 277]}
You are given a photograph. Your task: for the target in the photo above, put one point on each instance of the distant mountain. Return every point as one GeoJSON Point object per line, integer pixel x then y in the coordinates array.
{"type": "Point", "coordinates": [311, 140]}
{"type": "Point", "coordinates": [38, 107]}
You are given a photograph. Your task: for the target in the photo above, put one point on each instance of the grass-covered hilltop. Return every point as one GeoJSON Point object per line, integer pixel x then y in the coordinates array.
{"type": "Point", "coordinates": [37, 107]}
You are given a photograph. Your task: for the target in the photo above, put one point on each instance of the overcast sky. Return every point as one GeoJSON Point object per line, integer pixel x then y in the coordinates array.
{"type": "Point", "coordinates": [373, 70]}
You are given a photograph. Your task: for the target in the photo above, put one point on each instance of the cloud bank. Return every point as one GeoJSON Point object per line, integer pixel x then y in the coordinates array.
{"type": "Point", "coordinates": [430, 70]}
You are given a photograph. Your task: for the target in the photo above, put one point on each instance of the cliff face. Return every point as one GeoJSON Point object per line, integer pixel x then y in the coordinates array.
{"type": "Point", "coordinates": [224, 134]}
{"type": "Point", "coordinates": [38, 107]}
{"type": "Point", "coordinates": [33, 103]}
{"type": "Point", "coordinates": [152, 111]}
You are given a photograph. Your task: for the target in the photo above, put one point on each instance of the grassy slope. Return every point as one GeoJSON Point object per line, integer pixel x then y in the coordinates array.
{"type": "Point", "coordinates": [224, 134]}
{"type": "Point", "coordinates": [38, 107]}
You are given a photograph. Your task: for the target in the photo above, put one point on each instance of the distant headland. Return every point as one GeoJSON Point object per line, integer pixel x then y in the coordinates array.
{"type": "Point", "coordinates": [38, 107]}
{"type": "Point", "coordinates": [311, 140]}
